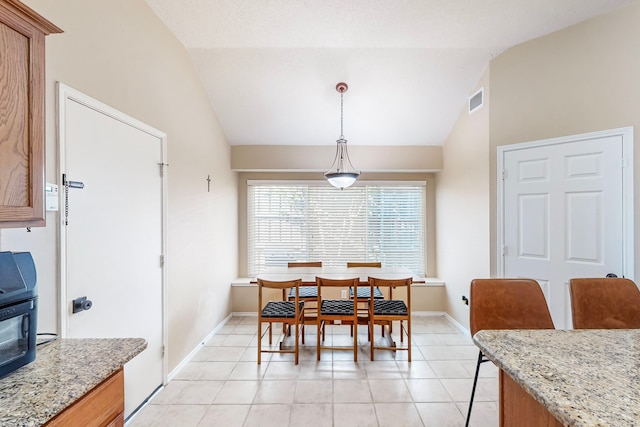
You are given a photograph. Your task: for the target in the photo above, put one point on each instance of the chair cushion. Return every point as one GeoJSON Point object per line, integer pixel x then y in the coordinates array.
{"type": "Point", "coordinates": [285, 309]}
{"type": "Point", "coordinates": [340, 307]}
{"type": "Point", "coordinates": [364, 292]}
{"type": "Point", "coordinates": [390, 307]}
{"type": "Point", "coordinates": [305, 292]}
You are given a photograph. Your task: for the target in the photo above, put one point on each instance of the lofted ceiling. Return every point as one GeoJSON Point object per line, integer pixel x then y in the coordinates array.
{"type": "Point", "coordinates": [270, 67]}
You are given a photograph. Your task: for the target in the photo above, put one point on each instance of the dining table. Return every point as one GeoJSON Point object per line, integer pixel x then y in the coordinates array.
{"type": "Point", "coordinates": [309, 274]}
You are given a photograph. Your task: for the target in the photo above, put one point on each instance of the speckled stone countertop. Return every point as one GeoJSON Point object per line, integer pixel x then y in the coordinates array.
{"type": "Point", "coordinates": [64, 370]}
{"type": "Point", "coordinates": [582, 377]}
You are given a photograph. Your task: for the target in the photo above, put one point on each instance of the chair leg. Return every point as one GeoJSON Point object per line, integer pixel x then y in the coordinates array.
{"type": "Point", "coordinates": [296, 343]}
{"type": "Point", "coordinates": [355, 339]}
{"type": "Point", "coordinates": [473, 390]}
{"type": "Point", "coordinates": [259, 340]}
{"type": "Point", "coordinates": [372, 335]}
{"type": "Point", "coordinates": [318, 338]}
{"type": "Point", "coordinates": [408, 339]}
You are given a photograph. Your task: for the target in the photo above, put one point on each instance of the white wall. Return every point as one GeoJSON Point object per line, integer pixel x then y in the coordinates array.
{"type": "Point", "coordinates": [120, 53]}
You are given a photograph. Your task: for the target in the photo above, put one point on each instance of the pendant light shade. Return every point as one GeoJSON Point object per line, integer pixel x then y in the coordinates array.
{"type": "Point", "coordinates": [341, 174]}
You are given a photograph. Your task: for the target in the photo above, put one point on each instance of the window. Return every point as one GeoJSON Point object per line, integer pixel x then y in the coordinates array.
{"type": "Point", "coordinates": [312, 221]}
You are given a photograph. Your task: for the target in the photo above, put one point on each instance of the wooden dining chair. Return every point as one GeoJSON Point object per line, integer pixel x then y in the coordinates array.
{"type": "Point", "coordinates": [289, 313]}
{"type": "Point", "coordinates": [505, 304]}
{"type": "Point", "coordinates": [336, 311]}
{"type": "Point", "coordinates": [363, 291]}
{"type": "Point", "coordinates": [604, 303]}
{"type": "Point", "coordinates": [304, 264]}
{"type": "Point", "coordinates": [308, 294]}
{"type": "Point", "coordinates": [373, 264]}
{"type": "Point", "coordinates": [386, 311]}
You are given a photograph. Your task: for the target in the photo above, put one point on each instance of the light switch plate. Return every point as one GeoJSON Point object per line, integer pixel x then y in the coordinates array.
{"type": "Point", "coordinates": [51, 197]}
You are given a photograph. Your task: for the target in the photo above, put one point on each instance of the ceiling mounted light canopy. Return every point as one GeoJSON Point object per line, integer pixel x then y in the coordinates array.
{"type": "Point", "coordinates": [341, 174]}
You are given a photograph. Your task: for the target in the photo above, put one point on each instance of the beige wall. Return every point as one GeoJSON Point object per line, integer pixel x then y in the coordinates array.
{"type": "Point", "coordinates": [430, 206]}
{"type": "Point", "coordinates": [462, 205]}
{"type": "Point", "coordinates": [577, 80]}
{"type": "Point", "coordinates": [120, 53]}
{"type": "Point", "coordinates": [273, 158]}
{"type": "Point", "coordinates": [582, 79]}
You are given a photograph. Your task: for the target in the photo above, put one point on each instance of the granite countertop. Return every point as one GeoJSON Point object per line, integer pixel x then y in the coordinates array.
{"type": "Point", "coordinates": [64, 370]}
{"type": "Point", "coordinates": [582, 377]}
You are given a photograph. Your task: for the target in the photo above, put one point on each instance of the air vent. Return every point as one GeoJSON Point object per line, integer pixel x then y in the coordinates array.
{"type": "Point", "coordinates": [476, 101]}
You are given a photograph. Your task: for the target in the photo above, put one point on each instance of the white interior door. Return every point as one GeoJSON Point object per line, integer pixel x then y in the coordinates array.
{"type": "Point", "coordinates": [563, 213]}
{"type": "Point", "coordinates": [112, 237]}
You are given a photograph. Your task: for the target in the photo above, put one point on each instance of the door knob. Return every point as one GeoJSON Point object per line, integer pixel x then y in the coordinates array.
{"type": "Point", "coordinates": [612, 275]}
{"type": "Point", "coordinates": [81, 304]}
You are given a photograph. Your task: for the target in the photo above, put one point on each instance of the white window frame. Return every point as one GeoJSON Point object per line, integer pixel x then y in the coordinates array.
{"type": "Point", "coordinates": [332, 249]}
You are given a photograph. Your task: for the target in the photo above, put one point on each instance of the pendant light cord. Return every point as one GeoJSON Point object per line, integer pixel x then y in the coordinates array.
{"type": "Point", "coordinates": [341, 115]}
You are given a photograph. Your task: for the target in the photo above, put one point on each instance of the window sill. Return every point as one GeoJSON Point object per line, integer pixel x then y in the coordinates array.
{"type": "Point", "coordinates": [417, 282]}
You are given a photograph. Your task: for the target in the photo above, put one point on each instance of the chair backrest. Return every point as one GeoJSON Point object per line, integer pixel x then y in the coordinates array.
{"type": "Point", "coordinates": [375, 282]}
{"type": "Point", "coordinates": [296, 283]}
{"type": "Point", "coordinates": [336, 283]}
{"type": "Point", "coordinates": [604, 303]}
{"type": "Point", "coordinates": [508, 304]}
{"type": "Point", "coordinates": [304, 264]}
{"type": "Point", "coordinates": [364, 264]}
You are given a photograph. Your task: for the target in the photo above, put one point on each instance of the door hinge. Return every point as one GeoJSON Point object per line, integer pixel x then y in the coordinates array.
{"type": "Point", "coordinates": [161, 260]}
{"type": "Point", "coordinates": [503, 174]}
{"type": "Point", "coordinates": [162, 351]}
{"type": "Point", "coordinates": [162, 165]}
{"type": "Point", "coordinates": [504, 250]}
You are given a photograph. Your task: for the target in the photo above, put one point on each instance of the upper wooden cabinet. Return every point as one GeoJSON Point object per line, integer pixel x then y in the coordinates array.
{"type": "Point", "coordinates": [22, 114]}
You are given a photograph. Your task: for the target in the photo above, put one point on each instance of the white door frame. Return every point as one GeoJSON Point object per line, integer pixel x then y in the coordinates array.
{"type": "Point", "coordinates": [65, 93]}
{"type": "Point", "coordinates": [626, 134]}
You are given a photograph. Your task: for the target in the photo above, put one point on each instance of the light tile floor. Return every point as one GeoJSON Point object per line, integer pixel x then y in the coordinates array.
{"type": "Point", "coordinates": [224, 386]}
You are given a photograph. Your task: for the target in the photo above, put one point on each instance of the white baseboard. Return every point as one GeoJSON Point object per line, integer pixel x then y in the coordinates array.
{"type": "Point", "coordinates": [458, 325]}
{"type": "Point", "coordinates": [193, 352]}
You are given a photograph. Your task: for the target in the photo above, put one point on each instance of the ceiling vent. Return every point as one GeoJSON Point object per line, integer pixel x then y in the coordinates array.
{"type": "Point", "coordinates": [476, 101]}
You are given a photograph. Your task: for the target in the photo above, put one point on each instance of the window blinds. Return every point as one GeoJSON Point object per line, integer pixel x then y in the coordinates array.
{"type": "Point", "coordinates": [307, 222]}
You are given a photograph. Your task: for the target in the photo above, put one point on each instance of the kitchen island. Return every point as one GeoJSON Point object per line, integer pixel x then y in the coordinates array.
{"type": "Point", "coordinates": [70, 378]}
{"type": "Point", "coordinates": [566, 377]}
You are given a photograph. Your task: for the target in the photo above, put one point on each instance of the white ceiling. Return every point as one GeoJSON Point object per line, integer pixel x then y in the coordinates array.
{"type": "Point", "coordinates": [270, 66]}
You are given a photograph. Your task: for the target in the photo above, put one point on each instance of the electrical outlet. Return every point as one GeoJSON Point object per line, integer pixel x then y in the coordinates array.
{"type": "Point", "coordinates": [344, 294]}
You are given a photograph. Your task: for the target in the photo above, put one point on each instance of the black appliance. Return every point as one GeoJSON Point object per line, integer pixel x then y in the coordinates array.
{"type": "Point", "coordinates": [18, 311]}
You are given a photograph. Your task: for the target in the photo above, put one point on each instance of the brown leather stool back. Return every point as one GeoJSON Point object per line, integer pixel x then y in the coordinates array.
{"type": "Point", "coordinates": [604, 303]}
{"type": "Point", "coordinates": [508, 304]}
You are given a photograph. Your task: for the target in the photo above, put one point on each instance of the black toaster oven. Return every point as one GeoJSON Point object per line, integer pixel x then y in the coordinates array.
{"type": "Point", "coordinates": [18, 311]}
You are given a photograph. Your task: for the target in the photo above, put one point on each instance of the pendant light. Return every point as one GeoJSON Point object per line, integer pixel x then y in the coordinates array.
{"type": "Point", "coordinates": [341, 174]}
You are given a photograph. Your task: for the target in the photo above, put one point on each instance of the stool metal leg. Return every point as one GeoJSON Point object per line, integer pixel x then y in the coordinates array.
{"type": "Point", "coordinates": [481, 359]}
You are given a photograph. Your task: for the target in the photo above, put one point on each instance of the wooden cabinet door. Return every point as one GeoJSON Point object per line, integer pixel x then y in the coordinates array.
{"type": "Point", "coordinates": [101, 407]}
{"type": "Point", "coordinates": [22, 116]}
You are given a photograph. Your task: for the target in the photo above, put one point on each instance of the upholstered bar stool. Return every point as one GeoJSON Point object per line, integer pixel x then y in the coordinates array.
{"type": "Point", "coordinates": [604, 303]}
{"type": "Point", "coordinates": [505, 304]}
